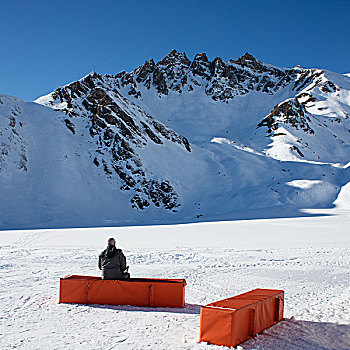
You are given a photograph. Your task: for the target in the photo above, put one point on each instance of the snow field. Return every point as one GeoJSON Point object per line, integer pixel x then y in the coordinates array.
{"type": "Point", "coordinates": [315, 277]}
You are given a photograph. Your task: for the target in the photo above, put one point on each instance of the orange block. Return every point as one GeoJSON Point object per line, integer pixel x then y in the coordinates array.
{"type": "Point", "coordinates": [232, 321]}
{"type": "Point", "coordinates": [151, 292]}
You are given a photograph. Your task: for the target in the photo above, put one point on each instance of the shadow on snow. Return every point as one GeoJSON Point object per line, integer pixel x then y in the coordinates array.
{"type": "Point", "coordinates": [242, 215]}
{"type": "Point", "coordinates": [291, 334]}
{"type": "Point", "coordinates": [193, 309]}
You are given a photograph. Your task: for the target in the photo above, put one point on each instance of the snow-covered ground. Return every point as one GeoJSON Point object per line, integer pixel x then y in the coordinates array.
{"type": "Point", "coordinates": [307, 257]}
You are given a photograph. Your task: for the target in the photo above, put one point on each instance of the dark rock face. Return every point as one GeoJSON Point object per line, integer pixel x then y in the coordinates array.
{"type": "Point", "coordinates": [307, 77]}
{"type": "Point", "coordinates": [200, 66]}
{"type": "Point", "coordinates": [13, 145]}
{"type": "Point", "coordinates": [175, 58]}
{"type": "Point", "coordinates": [295, 148]}
{"type": "Point", "coordinates": [118, 128]}
{"type": "Point", "coordinates": [70, 125]}
{"type": "Point", "coordinates": [143, 71]}
{"type": "Point", "coordinates": [329, 87]}
{"type": "Point", "coordinates": [289, 112]}
{"type": "Point", "coordinates": [159, 82]}
{"type": "Point", "coordinates": [221, 80]}
{"type": "Point", "coordinates": [247, 60]}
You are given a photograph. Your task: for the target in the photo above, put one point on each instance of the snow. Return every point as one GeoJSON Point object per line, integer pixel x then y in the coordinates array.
{"type": "Point", "coordinates": [343, 199]}
{"type": "Point", "coordinates": [223, 140]}
{"type": "Point", "coordinates": [303, 184]}
{"type": "Point", "coordinates": [307, 257]}
{"type": "Point", "coordinates": [262, 217]}
{"type": "Point", "coordinates": [234, 170]}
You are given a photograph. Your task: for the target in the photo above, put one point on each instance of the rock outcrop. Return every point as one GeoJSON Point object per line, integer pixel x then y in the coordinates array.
{"type": "Point", "coordinates": [118, 128]}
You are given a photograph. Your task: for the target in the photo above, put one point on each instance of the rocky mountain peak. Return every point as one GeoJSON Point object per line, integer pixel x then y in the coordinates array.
{"type": "Point", "coordinates": [246, 57]}
{"type": "Point", "coordinates": [200, 66]}
{"type": "Point", "coordinates": [218, 61]}
{"type": "Point", "coordinates": [248, 60]}
{"type": "Point", "coordinates": [143, 71]}
{"type": "Point", "coordinates": [174, 57]}
{"type": "Point", "coordinates": [201, 57]}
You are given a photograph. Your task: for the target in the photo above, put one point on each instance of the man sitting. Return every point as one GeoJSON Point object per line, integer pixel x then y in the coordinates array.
{"type": "Point", "coordinates": [112, 262]}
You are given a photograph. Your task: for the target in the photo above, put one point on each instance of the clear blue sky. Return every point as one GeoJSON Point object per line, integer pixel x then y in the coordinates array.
{"type": "Point", "coordinates": [45, 44]}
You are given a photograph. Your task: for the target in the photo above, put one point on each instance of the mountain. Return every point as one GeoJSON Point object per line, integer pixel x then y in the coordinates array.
{"type": "Point", "coordinates": [176, 141]}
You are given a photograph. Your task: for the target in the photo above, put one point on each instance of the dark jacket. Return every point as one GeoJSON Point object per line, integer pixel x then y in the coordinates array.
{"type": "Point", "coordinates": [112, 262]}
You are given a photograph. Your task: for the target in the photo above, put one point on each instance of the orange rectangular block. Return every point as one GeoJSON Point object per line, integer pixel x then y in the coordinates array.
{"type": "Point", "coordinates": [151, 292]}
{"type": "Point", "coordinates": [232, 321]}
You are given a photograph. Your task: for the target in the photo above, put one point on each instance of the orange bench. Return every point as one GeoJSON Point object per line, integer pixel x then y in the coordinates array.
{"type": "Point", "coordinates": [151, 292]}
{"type": "Point", "coordinates": [231, 321]}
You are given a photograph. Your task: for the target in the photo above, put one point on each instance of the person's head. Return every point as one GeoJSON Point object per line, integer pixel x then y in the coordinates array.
{"type": "Point", "coordinates": [111, 242]}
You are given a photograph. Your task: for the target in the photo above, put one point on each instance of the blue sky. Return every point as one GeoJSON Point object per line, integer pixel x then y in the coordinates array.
{"type": "Point", "coordinates": [45, 44]}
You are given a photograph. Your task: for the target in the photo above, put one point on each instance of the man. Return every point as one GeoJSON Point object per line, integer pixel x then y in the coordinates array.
{"type": "Point", "coordinates": [112, 262]}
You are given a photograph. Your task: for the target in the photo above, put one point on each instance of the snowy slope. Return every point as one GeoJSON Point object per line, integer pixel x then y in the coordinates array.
{"type": "Point", "coordinates": [49, 176]}
{"type": "Point", "coordinates": [307, 257]}
{"type": "Point", "coordinates": [176, 141]}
